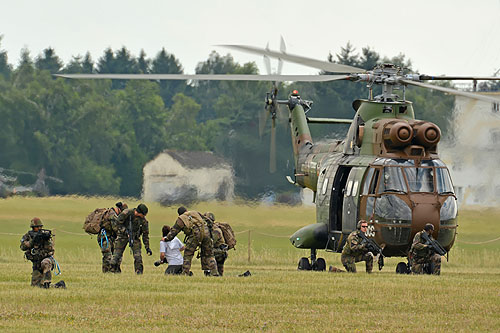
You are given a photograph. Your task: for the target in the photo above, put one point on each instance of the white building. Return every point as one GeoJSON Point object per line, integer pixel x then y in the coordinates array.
{"type": "Point", "coordinates": [182, 177]}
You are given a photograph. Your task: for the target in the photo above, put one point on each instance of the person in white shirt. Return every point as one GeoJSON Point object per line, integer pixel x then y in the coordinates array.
{"type": "Point", "coordinates": [170, 252]}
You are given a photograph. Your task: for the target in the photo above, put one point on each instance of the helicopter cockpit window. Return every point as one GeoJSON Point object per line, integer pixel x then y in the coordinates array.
{"type": "Point", "coordinates": [420, 179]}
{"type": "Point", "coordinates": [374, 182]}
{"type": "Point", "coordinates": [392, 181]}
{"type": "Point", "coordinates": [368, 179]}
{"type": "Point", "coordinates": [443, 181]}
{"type": "Point", "coordinates": [390, 207]}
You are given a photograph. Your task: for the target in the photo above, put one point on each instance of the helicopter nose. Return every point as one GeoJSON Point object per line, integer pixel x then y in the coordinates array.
{"type": "Point", "coordinates": [424, 212]}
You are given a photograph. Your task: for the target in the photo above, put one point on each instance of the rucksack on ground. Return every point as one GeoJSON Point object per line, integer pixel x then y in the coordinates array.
{"type": "Point", "coordinates": [228, 234]}
{"type": "Point", "coordinates": [92, 224]}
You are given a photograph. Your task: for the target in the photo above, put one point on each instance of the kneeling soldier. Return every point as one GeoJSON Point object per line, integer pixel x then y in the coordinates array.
{"type": "Point", "coordinates": [38, 247]}
{"type": "Point", "coordinates": [355, 250]}
{"type": "Point", "coordinates": [421, 254]}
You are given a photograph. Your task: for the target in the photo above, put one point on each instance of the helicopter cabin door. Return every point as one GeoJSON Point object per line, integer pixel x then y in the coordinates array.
{"type": "Point", "coordinates": [337, 197]}
{"type": "Point", "coordinates": [350, 205]}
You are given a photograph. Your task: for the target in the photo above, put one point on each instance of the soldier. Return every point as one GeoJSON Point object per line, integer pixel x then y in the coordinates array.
{"type": "Point", "coordinates": [107, 236]}
{"type": "Point", "coordinates": [38, 247]}
{"type": "Point", "coordinates": [421, 254]}
{"type": "Point", "coordinates": [131, 224]}
{"type": "Point", "coordinates": [220, 247]}
{"type": "Point", "coordinates": [197, 235]}
{"type": "Point", "coordinates": [355, 251]}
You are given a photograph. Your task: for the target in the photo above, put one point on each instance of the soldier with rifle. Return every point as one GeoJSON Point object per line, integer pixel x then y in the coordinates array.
{"type": "Point", "coordinates": [358, 249]}
{"type": "Point", "coordinates": [131, 224]}
{"type": "Point", "coordinates": [425, 253]}
{"type": "Point", "coordinates": [38, 248]}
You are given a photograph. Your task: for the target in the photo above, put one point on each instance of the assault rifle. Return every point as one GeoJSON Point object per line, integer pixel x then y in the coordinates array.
{"type": "Point", "coordinates": [433, 244]}
{"type": "Point", "coordinates": [130, 233]}
{"type": "Point", "coordinates": [40, 236]}
{"type": "Point", "coordinates": [374, 248]}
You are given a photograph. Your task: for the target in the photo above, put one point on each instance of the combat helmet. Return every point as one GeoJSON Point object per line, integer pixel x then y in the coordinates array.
{"type": "Point", "coordinates": [36, 222]}
{"type": "Point", "coordinates": [210, 216]}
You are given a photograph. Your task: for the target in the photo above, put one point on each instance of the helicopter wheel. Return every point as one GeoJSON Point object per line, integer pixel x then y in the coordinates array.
{"type": "Point", "coordinates": [304, 264]}
{"type": "Point", "coordinates": [320, 265]}
{"type": "Point", "coordinates": [402, 268]}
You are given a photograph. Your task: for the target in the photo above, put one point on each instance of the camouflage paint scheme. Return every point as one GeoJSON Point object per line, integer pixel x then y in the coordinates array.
{"type": "Point", "coordinates": [340, 175]}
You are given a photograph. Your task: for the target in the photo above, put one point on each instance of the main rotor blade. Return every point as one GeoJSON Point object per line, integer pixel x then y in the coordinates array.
{"type": "Point", "coordinates": [263, 116]}
{"type": "Point", "coordinates": [472, 78]}
{"type": "Point", "coordinates": [323, 65]}
{"type": "Point", "coordinates": [209, 77]}
{"type": "Point", "coordinates": [452, 91]}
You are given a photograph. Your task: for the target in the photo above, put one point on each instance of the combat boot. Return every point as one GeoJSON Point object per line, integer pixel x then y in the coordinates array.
{"type": "Point", "coordinates": [46, 285]}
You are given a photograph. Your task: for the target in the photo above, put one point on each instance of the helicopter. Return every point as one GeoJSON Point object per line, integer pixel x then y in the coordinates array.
{"type": "Point", "coordinates": [9, 183]}
{"type": "Point", "coordinates": [386, 171]}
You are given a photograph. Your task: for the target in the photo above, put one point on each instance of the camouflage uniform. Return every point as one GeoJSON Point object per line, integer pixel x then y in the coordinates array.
{"type": "Point", "coordinates": [139, 227]}
{"type": "Point", "coordinates": [107, 238]}
{"type": "Point", "coordinates": [355, 251]}
{"type": "Point", "coordinates": [421, 255]}
{"type": "Point", "coordinates": [40, 254]}
{"type": "Point", "coordinates": [197, 235]}
{"type": "Point", "coordinates": [220, 248]}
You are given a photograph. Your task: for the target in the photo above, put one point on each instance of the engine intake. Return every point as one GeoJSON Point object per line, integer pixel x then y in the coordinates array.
{"type": "Point", "coordinates": [427, 134]}
{"type": "Point", "coordinates": [397, 134]}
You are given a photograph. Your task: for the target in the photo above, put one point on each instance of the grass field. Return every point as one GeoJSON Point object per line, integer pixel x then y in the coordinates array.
{"type": "Point", "coordinates": [277, 297]}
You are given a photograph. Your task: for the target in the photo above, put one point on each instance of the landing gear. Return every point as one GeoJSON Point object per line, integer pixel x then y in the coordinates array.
{"type": "Point", "coordinates": [316, 264]}
{"type": "Point", "coordinates": [304, 264]}
{"type": "Point", "coordinates": [403, 268]}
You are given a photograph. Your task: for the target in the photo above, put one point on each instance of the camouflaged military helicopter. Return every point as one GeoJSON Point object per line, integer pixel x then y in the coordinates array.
{"type": "Point", "coordinates": [386, 171]}
{"type": "Point", "coordinates": [9, 185]}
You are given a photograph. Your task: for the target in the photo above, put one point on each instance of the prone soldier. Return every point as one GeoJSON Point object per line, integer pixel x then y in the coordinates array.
{"type": "Point", "coordinates": [106, 237]}
{"type": "Point", "coordinates": [130, 225]}
{"type": "Point", "coordinates": [355, 250]}
{"type": "Point", "coordinates": [38, 248]}
{"type": "Point", "coordinates": [197, 235]}
{"type": "Point", "coordinates": [422, 254]}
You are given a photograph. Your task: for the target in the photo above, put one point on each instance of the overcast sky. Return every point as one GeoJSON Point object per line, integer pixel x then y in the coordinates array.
{"type": "Point", "coordinates": [454, 37]}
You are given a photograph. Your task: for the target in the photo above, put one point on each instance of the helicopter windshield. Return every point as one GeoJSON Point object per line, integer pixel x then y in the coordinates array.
{"type": "Point", "coordinates": [392, 181]}
{"type": "Point", "coordinates": [420, 179]}
{"type": "Point", "coordinates": [402, 176]}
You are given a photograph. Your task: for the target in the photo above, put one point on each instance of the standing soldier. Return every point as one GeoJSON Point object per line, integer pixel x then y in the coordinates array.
{"type": "Point", "coordinates": [421, 254]}
{"type": "Point", "coordinates": [220, 246]}
{"type": "Point", "coordinates": [38, 247]}
{"type": "Point", "coordinates": [131, 224]}
{"type": "Point", "coordinates": [107, 236]}
{"type": "Point", "coordinates": [197, 235]}
{"type": "Point", "coordinates": [355, 250]}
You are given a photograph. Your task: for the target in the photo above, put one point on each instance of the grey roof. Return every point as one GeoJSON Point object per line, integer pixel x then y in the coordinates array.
{"type": "Point", "coordinates": [197, 159]}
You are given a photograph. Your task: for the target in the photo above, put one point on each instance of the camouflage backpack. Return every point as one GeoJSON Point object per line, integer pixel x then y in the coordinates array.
{"type": "Point", "coordinates": [190, 219]}
{"type": "Point", "coordinates": [92, 224]}
{"type": "Point", "coordinates": [228, 233]}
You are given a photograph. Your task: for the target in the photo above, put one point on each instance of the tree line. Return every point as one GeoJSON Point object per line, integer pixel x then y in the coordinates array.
{"type": "Point", "coordinates": [96, 135]}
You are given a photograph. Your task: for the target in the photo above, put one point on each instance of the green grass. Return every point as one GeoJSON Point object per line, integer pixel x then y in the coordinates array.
{"type": "Point", "coordinates": [275, 298]}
